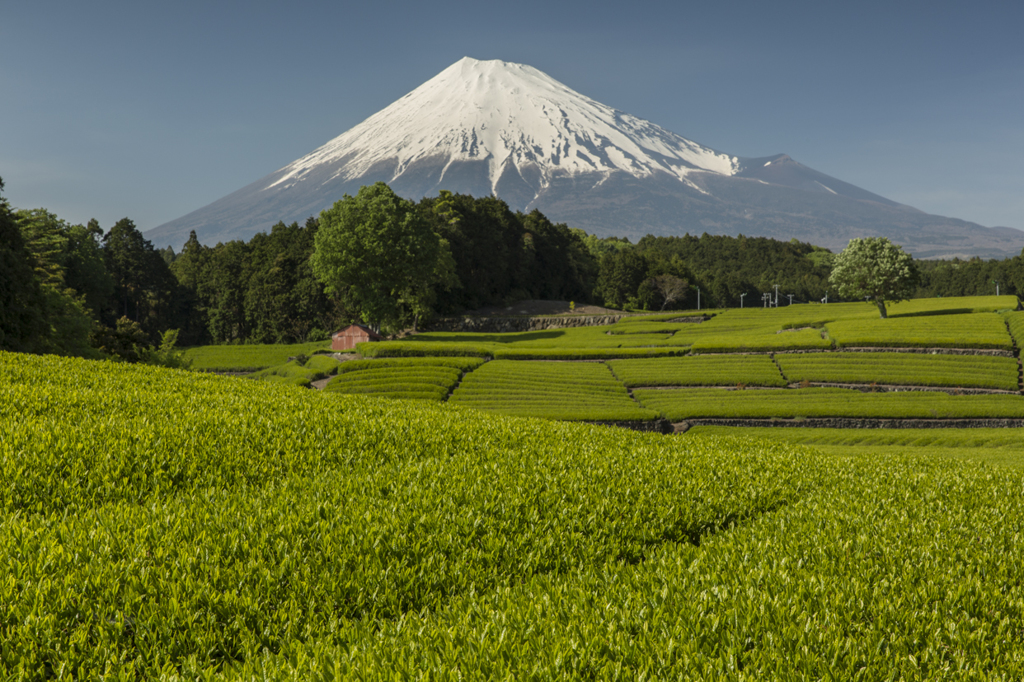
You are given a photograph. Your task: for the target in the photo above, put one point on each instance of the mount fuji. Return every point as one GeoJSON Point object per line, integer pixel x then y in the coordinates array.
{"type": "Point", "coordinates": [494, 127]}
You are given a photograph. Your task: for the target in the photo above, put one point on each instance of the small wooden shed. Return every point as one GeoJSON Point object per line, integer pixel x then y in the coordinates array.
{"type": "Point", "coordinates": [347, 338]}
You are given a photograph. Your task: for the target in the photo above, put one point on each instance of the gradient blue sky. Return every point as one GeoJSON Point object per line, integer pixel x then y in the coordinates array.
{"type": "Point", "coordinates": [152, 110]}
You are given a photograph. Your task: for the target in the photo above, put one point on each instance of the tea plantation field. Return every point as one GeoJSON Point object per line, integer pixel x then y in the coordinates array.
{"type": "Point", "coordinates": [969, 322]}
{"type": "Point", "coordinates": [168, 524]}
{"type": "Point", "coordinates": [658, 367]}
{"type": "Point", "coordinates": [250, 357]}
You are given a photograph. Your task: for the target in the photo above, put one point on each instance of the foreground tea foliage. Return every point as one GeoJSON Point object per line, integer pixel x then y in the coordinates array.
{"type": "Point", "coordinates": [899, 569]}
{"type": "Point", "coordinates": [166, 522]}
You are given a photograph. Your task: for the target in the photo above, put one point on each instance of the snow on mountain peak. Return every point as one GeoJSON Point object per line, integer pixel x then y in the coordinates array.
{"type": "Point", "coordinates": [505, 113]}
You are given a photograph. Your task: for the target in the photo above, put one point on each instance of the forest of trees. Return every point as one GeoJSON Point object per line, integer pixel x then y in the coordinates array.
{"type": "Point", "coordinates": [77, 290]}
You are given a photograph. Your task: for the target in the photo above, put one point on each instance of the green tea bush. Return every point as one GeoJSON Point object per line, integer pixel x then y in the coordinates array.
{"type": "Point", "coordinates": [248, 358]}
{"type": "Point", "coordinates": [419, 390]}
{"type": "Point", "coordinates": [463, 364]}
{"type": "Point", "coordinates": [978, 330]}
{"type": "Point", "coordinates": [583, 353]}
{"type": "Point", "coordinates": [799, 339]}
{"type": "Point", "coordinates": [159, 523]}
{"type": "Point", "coordinates": [925, 439]}
{"type": "Point", "coordinates": [411, 349]}
{"type": "Point", "coordinates": [680, 404]}
{"type": "Point", "coordinates": [699, 370]}
{"type": "Point", "coordinates": [911, 369]}
{"type": "Point", "coordinates": [1015, 324]}
{"type": "Point", "coordinates": [902, 569]}
{"type": "Point", "coordinates": [952, 305]}
{"type": "Point", "coordinates": [430, 378]}
{"type": "Point", "coordinates": [550, 341]}
{"type": "Point", "coordinates": [553, 390]}
{"type": "Point", "coordinates": [296, 373]}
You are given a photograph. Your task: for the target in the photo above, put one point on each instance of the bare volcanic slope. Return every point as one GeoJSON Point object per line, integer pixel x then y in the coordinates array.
{"type": "Point", "coordinates": [483, 127]}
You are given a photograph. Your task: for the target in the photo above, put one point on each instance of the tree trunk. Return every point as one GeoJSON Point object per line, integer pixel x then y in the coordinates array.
{"type": "Point", "coordinates": [881, 309]}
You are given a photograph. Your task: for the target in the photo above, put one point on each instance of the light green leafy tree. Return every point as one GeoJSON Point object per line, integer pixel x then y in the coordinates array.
{"type": "Point", "coordinates": [875, 269]}
{"type": "Point", "coordinates": [377, 251]}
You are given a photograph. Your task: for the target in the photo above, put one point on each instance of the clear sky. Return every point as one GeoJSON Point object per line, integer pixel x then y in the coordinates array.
{"type": "Point", "coordinates": [151, 110]}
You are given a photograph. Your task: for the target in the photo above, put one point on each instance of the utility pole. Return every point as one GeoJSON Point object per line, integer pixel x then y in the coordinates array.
{"type": "Point", "coordinates": [698, 298]}
{"type": "Point", "coordinates": [790, 298]}
{"type": "Point", "coordinates": [825, 300]}
{"type": "Point", "coordinates": [996, 282]}
{"type": "Point", "coordinates": [765, 300]}
{"type": "Point", "coordinates": [776, 295]}
{"type": "Point", "coordinates": [741, 300]}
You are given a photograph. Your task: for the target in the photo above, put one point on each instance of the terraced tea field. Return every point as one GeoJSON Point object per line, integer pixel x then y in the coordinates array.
{"type": "Point", "coordinates": [555, 390]}
{"type": "Point", "coordinates": [295, 374]}
{"type": "Point", "coordinates": [902, 369]}
{"type": "Point", "coordinates": [1000, 447]}
{"type": "Point", "coordinates": [423, 378]}
{"type": "Point", "coordinates": [970, 322]}
{"type": "Point", "coordinates": [250, 357]}
{"type": "Point", "coordinates": [684, 404]}
{"type": "Point", "coordinates": [798, 346]}
{"type": "Point", "coordinates": [979, 330]}
{"type": "Point", "coordinates": [701, 370]}
{"type": "Point", "coordinates": [169, 524]}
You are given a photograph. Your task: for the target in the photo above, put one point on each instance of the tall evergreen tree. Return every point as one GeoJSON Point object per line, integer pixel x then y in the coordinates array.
{"type": "Point", "coordinates": [222, 291]}
{"type": "Point", "coordinates": [189, 269]}
{"type": "Point", "coordinates": [144, 288]}
{"type": "Point", "coordinates": [21, 298]}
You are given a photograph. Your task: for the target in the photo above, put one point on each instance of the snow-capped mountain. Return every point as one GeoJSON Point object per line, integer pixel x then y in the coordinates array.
{"type": "Point", "coordinates": [521, 124]}
{"type": "Point", "coordinates": [483, 127]}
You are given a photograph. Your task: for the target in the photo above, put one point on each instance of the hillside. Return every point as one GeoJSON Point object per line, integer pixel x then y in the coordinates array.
{"type": "Point", "coordinates": [160, 523]}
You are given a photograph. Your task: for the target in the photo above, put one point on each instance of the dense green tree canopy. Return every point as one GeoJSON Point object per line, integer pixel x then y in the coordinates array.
{"type": "Point", "coordinates": [377, 249]}
{"type": "Point", "coordinates": [727, 267]}
{"type": "Point", "coordinates": [390, 262]}
{"type": "Point", "coordinates": [875, 269]}
{"type": "Point", "coordinates": [499, 255]}
{"type": "Point", "coordinates": [622, 274]}
{"type": "Point", "coordinates": [145, 291]}
{"type": "Point", "coordinates": [21, 298]}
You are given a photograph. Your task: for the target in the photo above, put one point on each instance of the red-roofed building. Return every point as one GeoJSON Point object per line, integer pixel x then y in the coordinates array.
{"type": "Point", "coordinates": [347, 338]}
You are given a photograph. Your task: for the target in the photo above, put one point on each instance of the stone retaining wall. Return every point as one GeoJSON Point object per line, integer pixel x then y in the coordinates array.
{"type": "Point", "coordinates": [655, 426]}
{"type": "Point", "coordinates": [997, 352]}
{"type": "Point", "coordinates": [855, 423]}
{"type": "Point", "coordinates": [889, 388]}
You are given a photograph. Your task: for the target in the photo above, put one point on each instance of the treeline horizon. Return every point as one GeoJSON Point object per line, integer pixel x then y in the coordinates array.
{"type": "Point", "coordinates": [77, 290]}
